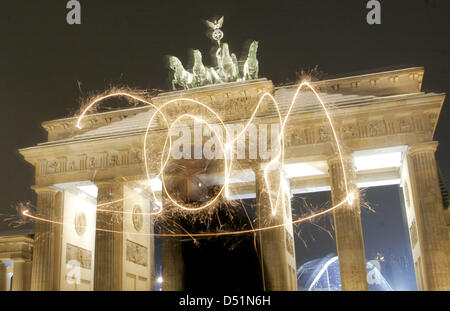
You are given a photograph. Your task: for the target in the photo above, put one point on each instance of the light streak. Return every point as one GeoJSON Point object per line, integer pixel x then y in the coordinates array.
{"type": "Point", "coordinates": [275, 163]}
{"type": "Point", "coordinates": [162, 169]}
{"type": "Point", "coordinates": [322, 270]}
{"type": "Point", "coordinates": [209, 234]}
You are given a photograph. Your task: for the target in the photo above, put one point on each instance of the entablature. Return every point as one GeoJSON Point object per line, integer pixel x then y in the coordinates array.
{"type": "Point", "coordinates": [404, 121]}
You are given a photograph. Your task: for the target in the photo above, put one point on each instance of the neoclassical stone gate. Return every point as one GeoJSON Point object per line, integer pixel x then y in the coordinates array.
{"type": "Point", "coordinates": [375, 114]}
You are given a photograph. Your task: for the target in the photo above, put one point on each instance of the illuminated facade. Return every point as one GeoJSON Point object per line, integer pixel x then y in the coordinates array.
{"type": "Point", "coordinates": [384, 121]}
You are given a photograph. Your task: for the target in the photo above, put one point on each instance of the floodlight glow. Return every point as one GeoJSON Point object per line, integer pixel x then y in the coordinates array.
{"type": "Point", "coordinates": [243, 196]}
{"type": "Point", "coordinates": [245, 175]}
{"type": "Point", "coordinates": [301, 170]}
{"type": "Point", "coordinates": [377, 161]}
{"type": "Point", "coordinates": [92, 190]}
{"type": "Point", "coordinates": [376, 183]}
{"type": "Point", "coordinates": [155, 184]}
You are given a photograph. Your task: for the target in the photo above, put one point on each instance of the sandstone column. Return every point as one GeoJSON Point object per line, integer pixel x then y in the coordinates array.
{"type": "Point", "coordinates": [21, 276]}
{"type": "Point", "coordinates": [3, 277]}
{"type": "Point", "coordinates": [152, 278]}
{"type": "Point", "coordinates": [108, 268]}
{"type": "Point", "coordinates": [347, 225]}
{"type": "Point", "coordinates": [46, 268]}
{"type": "Point", "coordinates": [172, 256]}
{"type": "Point", "coordinates": [276, 249]}
{"type": "Point", "coordinates": [172, 264]}
{"type": "Point", "coordinates": [428, 207]}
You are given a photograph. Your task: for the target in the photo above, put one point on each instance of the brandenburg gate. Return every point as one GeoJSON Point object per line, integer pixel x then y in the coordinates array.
{"type": "Point", "coordinates": [94, 213]}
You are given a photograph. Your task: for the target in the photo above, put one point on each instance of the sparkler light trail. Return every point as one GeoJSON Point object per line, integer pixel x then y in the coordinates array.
{"type": "Point", "coordinates": [209, 234]}
{"type": "Point", "coordinates": [226, 147]}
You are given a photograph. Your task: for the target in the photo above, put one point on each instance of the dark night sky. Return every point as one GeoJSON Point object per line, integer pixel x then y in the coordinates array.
{"type": "Point", "coordinates": [124, 42]}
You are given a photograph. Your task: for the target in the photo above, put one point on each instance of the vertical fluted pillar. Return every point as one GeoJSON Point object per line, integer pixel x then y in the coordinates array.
{"type": "Point", "coordinates": [22, 276]}
{"type": "Point", "coordinates": [276, 255]}
{"type": "Point", "coordinates": [172, 255]}
{"type": "Point", "coordinates": [172, 264]}
{"type": "Point", "coordinates": [46, 267]}
{"type": "Point", "coordinates": [108, 268]}
{"type": "Point", "coordinates": [152, 278]}
{"type": "Point", "coordinates": [428, 207]}
{"type": "Point", "coordinates": [3, 277]}
{"type": "Point", "coordinates": [347, 224]}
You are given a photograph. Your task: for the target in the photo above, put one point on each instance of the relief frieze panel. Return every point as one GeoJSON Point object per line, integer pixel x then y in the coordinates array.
{"type": "Point", "coordinates": [80, 255]}
{"type": "Point", "coordinates": [136, 253]}
{"type": "Point", "coordinates": [376, 128]}
{"type": "Point", "coordinates": [92, 161]}
{"type": "Point", "coordinates": [350, 131]}
{"type": "Point", "coordinates": [113, 160]}
{"type": "Point", "coordinates": [73, 165]}
{"type": "Point", "coordinates": [323, 134]}
{"type": "Point", "coordinates": [53, 166]}
{"type": "Point", "coordinates": [296, 135]}
{"type": "Point", "coordinates": [135, 156]}
{"type": "Point", "coordinates": [404, 125]}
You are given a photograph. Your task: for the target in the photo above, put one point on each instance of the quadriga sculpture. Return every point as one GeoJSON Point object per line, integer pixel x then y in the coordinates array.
{"type": "Point", "coordinates": [181, 77]}
{"type": "Point", "coordinates": [203, 75]}
{"type": "Point", "coordinates": [227, 69]}
{"type": "Point", "coordinates": [230, 69]}
{"type": "Point", "coordinates": [251, 66]}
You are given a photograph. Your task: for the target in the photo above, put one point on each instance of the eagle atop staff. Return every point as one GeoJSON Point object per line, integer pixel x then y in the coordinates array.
{"type": "Point", "coordinates": [215, 26]}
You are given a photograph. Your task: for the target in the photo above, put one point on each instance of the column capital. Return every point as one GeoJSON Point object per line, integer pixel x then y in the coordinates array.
{"type": "Point", "coordinates": [256, 166]}
{"type": "Point", "coordinates": [341, 162]}
{"type": "Point", "coordinates": [259, 166]}
{"type": "Point", "coordinates": [44, 189]}
{"type": "Point", "coordinates": [430, 146]}
{"type": "Point", "coordinates": [125, 179]}
{"type": "Point", "coordinates": [110, 181]}
{"type": "Point", "coordinates": [337, 157]}
{"type": "Point", "coordinates": [21, 260]}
